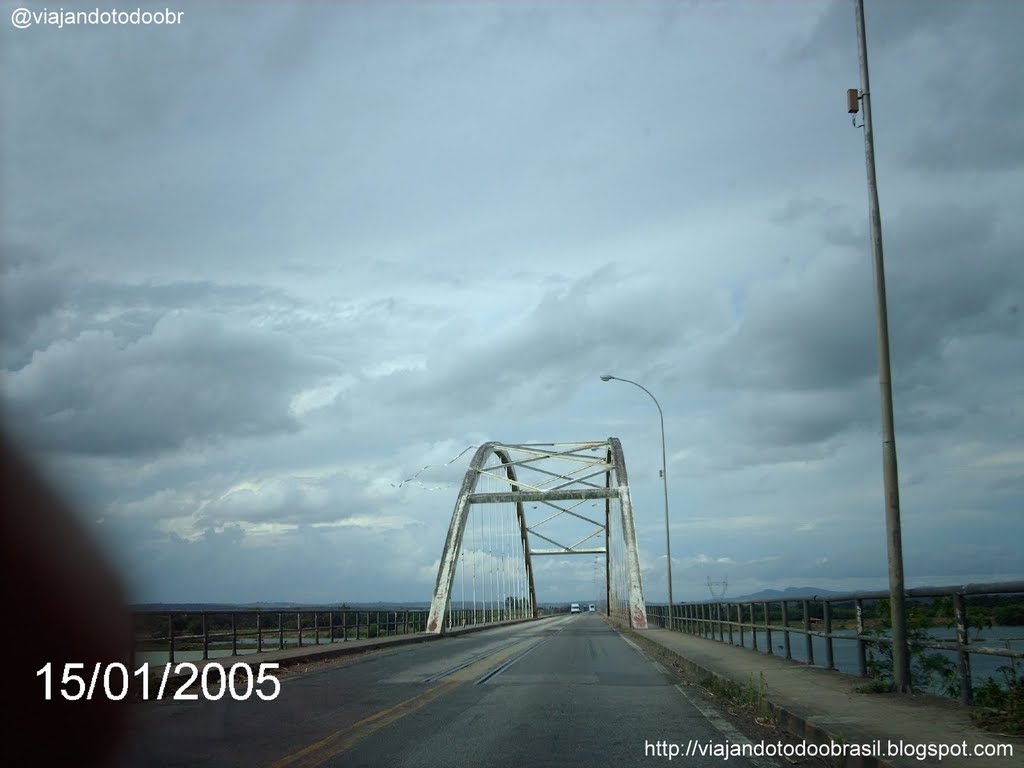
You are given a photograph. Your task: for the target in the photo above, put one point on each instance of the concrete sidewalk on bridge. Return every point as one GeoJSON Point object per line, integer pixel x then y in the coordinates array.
{"type": "Point", "coordinates": [821, 705]}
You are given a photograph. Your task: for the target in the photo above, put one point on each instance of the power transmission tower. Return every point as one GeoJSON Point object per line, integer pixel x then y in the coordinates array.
{"type": "Point", "coordinates": [718, 588]}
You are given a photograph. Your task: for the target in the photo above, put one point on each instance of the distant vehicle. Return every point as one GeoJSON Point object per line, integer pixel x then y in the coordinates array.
{"type": "Point", "coordinates": [574, 608]}
{"type": "Point", "coordinates": [592, 608]}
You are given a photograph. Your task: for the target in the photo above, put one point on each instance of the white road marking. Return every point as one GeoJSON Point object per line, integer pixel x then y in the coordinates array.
{"type": "Point", "coordinates": [711, 714]}
{"type": "Point", "coordinates": [726, 728]}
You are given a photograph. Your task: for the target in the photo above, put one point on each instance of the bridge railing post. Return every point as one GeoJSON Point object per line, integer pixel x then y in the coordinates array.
{"type": "Point", "coordinates": [234, 634]}
{"type": "Point", "coordinates": [170, 637]}
{"type": "Point", "coordinates": [753, 627]}
{"type": "Point", "coordinates": [766, 607]}
{"type": "Point", "coordinates": [787, 648]}
{"type": "Point", "coordinates": [206, 638]}
{"type": "Point", "coordinates": [728, 620]}
{"type": "Point", "coordinates": [280, 631]}
{"type": "Point", "coordinates": [807, 632]}
{"type": "Point", "coordinates": [259, 631]}
{"type": "Point", "coordinates": [963, 656]}
{"type": "Point", "coordinates": [862, 659]}
{"type": "Point", "coordinates": [826, 617]}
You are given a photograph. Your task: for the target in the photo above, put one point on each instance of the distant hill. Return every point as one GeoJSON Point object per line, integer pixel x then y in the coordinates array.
{"type": "Point", "coordinates": [794, 592]}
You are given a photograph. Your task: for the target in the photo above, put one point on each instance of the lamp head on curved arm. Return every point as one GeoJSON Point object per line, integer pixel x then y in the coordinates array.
{"type": "Point", "coordinates": [607, 377]}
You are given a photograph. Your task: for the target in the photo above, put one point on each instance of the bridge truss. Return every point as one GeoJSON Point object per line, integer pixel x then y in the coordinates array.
{"type": "Point", "coordinates": [520, 502]}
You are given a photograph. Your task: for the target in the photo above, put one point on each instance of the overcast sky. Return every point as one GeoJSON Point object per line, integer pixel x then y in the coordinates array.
{"type": "Point", "coordinates": [261, 266]}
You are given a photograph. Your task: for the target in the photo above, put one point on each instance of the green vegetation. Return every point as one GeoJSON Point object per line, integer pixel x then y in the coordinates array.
{"type": "Point", "coordinates": [751, 696]}
{"type": "Point", "coordinates": [1000, 706]}
{"type": "Point", "coordinates": [1009, 615]}
{"type": "Point", "coordinates": [929, 670]}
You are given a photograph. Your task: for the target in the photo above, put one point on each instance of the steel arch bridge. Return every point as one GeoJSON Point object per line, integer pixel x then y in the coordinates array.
{"type": "Point", "coordinates": [486, 572]}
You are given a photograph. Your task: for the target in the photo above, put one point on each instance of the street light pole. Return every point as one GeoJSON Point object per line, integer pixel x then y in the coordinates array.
{"type": "Point", "coordinates": [894, 539]}
{"type": "Point", "coordinates": [664, 483]}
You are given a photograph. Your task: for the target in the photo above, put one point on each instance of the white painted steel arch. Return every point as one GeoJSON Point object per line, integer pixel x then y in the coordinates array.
{"type": "Point", "coordinates": [577, 485]}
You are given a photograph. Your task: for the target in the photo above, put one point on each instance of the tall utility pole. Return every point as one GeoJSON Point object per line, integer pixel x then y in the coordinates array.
{"type": "Point", "coordinates": [893, 536]}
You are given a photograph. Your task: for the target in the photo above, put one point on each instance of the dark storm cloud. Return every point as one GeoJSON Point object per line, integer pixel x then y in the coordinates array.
{"type": "Point", "coordinates": [807, 331]}
{"type": "Point", "coordinates": [42, 302]}
{"type": "Point", "coordinates": [952, 274]}
{"type": "Point", "coordinates": [890, 23]}
{"type": "Point", "coordinates": [230, 565]}
{"type": "Point", "coordinates": [296, 500]}
{"type": "Point", "coordinates": [784, 421]}
{"type": "Point", "coordinates": [956, 64]}
{"type": "Point", "coordinates": [974, 105]}
{"type": "Point", "coordinates": [193, 379]}
{"type": "Point", "coordinates": [496, 368]}
{"type": "Point", "coordinates": [955, 276]}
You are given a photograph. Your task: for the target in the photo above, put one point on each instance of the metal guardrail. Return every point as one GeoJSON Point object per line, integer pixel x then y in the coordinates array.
{"type": "Point", "coordinates": [256, 631]}
{"type": "Point", "coordinates": [711, 618]}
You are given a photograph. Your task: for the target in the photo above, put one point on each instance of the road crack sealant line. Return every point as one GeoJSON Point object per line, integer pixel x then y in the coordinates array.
{"type": "Point", "coordinates": [480, 657]}
{"type": "Point", "coordinates": [498, 670]}
{"type": "Point", "coordinates": [471, 660]}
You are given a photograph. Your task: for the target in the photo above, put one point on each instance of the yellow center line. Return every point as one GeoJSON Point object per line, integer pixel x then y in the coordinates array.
{"type": "Point", "coordinates": [321, 751]}
{"type": "Point", "coordinates": [343, 740]}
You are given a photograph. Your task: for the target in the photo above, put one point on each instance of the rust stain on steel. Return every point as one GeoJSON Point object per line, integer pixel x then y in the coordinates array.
{"type": "Point", "coordinates": [639, 617]}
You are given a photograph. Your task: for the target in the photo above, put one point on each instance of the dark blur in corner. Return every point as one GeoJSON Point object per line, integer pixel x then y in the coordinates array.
{"type": "Point", "coordinates": [62, 604]}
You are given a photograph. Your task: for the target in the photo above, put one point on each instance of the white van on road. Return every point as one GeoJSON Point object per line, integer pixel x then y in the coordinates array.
{"type": "Point", "coordinates": [574, 608]}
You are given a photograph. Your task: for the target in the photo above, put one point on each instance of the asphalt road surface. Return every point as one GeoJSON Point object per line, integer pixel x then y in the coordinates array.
{"type": "Point", "coordinates": [568, 691]}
